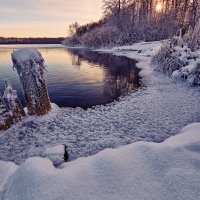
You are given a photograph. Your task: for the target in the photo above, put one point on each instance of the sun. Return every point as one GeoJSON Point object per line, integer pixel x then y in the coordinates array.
{"type": "Point", "coordinates": [159, 7]}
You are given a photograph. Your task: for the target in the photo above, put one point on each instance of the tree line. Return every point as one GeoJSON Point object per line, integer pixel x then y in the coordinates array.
{"type": "Point", "coordinates": [14, 40]}
{"type": "Point", "coordinates": [130, 21]}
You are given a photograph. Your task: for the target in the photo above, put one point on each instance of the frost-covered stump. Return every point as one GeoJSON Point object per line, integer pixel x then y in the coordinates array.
{"type": "Point", "coordinates": [11, 110]}
{"type": "Point", "coordinates": [5, 117]}
{"type": "Point", "coordinates": [13, 103]}
{"type": "Point", "coordinates": [30, 67]}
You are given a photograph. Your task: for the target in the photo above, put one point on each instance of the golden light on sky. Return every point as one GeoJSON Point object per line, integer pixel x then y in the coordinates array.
{"type": "Point", "coordinates": [159, 7]}
{"type": "Point", "coordinates": [40, 18]}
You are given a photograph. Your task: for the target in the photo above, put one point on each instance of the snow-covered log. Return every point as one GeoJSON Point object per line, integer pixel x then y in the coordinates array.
{"type": "Point", "coordinates": [12, 102]}
{"type": "Point", "coordinates": [5, 116]}
{"type": "Point", "coordinates": [30, 67]}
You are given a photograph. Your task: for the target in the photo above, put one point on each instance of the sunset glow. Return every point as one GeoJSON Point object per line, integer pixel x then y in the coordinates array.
{"type": "Point", "coordinates": [159, 7]}
{"type": "Point", "coordinates": [45, 18]}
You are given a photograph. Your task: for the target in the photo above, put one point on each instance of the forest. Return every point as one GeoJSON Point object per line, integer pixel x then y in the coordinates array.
{"type": "Point", "coordinates": [131, 21]}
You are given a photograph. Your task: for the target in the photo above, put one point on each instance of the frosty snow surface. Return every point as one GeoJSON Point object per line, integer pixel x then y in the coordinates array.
{"type": "Point", "coordinates": [153, 113]}
{"type": "Point", "coordinates": [140, 171]}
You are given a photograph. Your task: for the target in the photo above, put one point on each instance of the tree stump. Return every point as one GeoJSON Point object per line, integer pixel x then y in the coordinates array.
{"type": "Point", "coordinates": [13, 103]}
{"type": "Point", "coordinates": [30, 67]}
{"type": "Point", "coordinates": [11, 110]}
{"type": "Point", "coordinates": [5, 117]}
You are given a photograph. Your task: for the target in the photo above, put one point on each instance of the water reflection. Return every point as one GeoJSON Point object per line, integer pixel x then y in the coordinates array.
{"type": "Point", "coordinates": [79, 77]}
{"type": "Point", "coordinates": [121, 74]}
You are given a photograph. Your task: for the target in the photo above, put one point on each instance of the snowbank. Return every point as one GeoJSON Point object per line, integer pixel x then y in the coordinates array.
{"type": "Point", "coordinates": [7, 169]}
{"type": "Point", "coordinates": [142, 171]}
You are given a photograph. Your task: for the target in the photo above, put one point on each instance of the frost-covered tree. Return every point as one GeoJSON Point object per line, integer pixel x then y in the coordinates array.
{"type": "Point", "coordinates": [30, 67]}
{"type": "Point", "coordinates": [12, 102]}
{"type": "Point", "coordinates": [135, 20]}
{"type": "Point", "coordinates": [194, 40]}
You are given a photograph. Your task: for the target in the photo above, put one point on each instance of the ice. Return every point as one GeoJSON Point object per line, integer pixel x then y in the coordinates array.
{"type": "Point", "coordinates": [143, 170]}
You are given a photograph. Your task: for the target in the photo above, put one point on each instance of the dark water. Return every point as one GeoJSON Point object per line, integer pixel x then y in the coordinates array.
{"type": "Point", "coordinates": [78, 77]}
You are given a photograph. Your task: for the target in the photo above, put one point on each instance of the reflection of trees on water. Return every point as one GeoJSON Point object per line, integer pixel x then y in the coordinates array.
{"type": "Point", "coordinates": [121, 74]}
{"type": "Point", "coordinates": [117, 85]}
{"type": "Point", "coordinates": [76, 61]}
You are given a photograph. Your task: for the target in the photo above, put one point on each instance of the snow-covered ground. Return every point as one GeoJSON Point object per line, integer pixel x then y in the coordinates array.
{"type": "Point", "coordinates": [142, 171]}
{"type": "Point", "coordinates": [156, 111]}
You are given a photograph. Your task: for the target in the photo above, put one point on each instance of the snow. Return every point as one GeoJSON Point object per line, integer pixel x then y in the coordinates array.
{"type": "Point", "coordinates": [55, 154]}
{"type": "Point", "coordinates": [177, 60]}
{"type": "Point", "coordinates": [143, 171]}
{"type": "Point", "coordinates": [59, 149]}
{"type": "Point", "coordinates": [29, 60]}
{"type": "Point", "coordinates": [158, 110]}
{"type": "Point", "coordinates": [190, 70]}
{"type": "Point", "coordinates": [26, 54]}
{"type": "Point", "coordinates": [7, 169]}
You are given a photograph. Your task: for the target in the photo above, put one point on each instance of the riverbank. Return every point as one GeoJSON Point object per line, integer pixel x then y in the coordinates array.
{"type": "Point", "coordinates": [155, 112]}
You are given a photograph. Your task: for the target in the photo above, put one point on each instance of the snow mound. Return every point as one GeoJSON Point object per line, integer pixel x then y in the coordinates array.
{"type": "Point", "coordinates": [7, 169]}
{"type": "Point", "coordinates": [145, 171]}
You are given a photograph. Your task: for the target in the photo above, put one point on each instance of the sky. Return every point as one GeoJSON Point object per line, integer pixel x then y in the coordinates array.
{"type": "Point", "coordinates": [45, 18]}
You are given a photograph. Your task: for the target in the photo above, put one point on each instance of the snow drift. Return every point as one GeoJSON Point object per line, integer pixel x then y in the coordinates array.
{"type": "Point", "coordinates": [169, 170]}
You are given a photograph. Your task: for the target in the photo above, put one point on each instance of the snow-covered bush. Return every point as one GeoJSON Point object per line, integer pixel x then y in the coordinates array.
{"type": "Point", "coordinates": [190, 73]}
{"type": "Point", "coordinates": [99, 37]}
{"type": "Point", "coordinates": [180, 58]}
{"type": "Point", "coordinates": [177, 41]}
{"type": "Point", "coordinates": [178, 61]}
{"type": "Point", "coordinates": [168, 59]}
{"type": "Point", "coordinates": [71, 41]}
{"type": "Point", "coordinates": [30, 67]}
